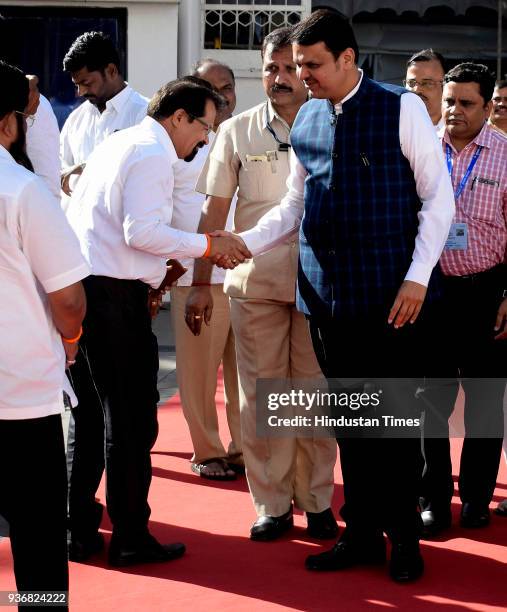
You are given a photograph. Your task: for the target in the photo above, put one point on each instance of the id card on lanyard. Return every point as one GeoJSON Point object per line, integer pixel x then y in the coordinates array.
{"type": "Point", "coordinates": [458, 234]}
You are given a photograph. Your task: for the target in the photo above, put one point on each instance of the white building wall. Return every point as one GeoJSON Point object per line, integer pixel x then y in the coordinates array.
{"type": "Point", "coordinates": [247, 70]}
{"type": "Point", "coordinates": [152, 38]}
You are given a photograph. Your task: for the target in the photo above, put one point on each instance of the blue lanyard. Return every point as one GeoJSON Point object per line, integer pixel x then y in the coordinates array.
{"type": "Point", "coordinates": [448, 153]}
{"type": "Point", "coordinates": [282, 146]}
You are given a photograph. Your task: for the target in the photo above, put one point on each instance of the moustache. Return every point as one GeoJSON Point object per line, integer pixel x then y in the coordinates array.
{"type": "Point", "coordinates": [281, 88]}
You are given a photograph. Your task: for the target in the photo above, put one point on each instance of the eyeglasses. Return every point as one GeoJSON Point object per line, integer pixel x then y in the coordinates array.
{"type": "Point", "coordinates": [203, 123]}
{"type": "Point", "coordinates": [424, 84]}
{"type": "Point", "coordinates": [28, 118]}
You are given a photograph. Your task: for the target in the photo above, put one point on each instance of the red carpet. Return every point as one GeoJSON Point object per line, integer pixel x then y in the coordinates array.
{"type": "Point", "coordinates": [223, 570]}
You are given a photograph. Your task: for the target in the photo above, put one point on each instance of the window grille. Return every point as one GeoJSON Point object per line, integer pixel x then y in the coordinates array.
{"type": "Point", "coordinates": [240, 24]}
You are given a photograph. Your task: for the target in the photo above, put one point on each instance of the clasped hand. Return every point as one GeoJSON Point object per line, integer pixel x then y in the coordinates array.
{"type": "Point", "coordinates": [227, 249]}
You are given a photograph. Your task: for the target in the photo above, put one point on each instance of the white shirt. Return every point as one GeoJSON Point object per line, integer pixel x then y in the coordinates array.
{"type": "Point", "coordinates": [187, 206]}
{"type": "Point", "coordinates": [43, 146]}
{"type": "Point", "coordinates": [39, 254]}
{"type": "Point", "coordinates": [86, 127]}
{"type": "Point", "coordinates": [440, 125]}
{"type": "Point", "coordinates": [420, 145]}
{"type": "Point", "coordinates": [122, 206]}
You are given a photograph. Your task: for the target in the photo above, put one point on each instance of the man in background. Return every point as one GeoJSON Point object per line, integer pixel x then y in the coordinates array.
{"type": "Point", "coordinates": [498, 117]}
{"type": "Point", "coordinates": [474, 286]}
{"type": "Point", "coordinates": [425, 73]}
{"type": "Point", "coordinates": [198, 356]}
{"type": "Point", "coordinates": [250, 155]}
{"type": "Point", "coordinates": [43, 140]}
{"type": "Point", "coordinates": [110, 104]}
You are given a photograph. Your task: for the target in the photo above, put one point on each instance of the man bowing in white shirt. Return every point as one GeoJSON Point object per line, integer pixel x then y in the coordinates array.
{"type": "Point", "coordinates": [121, 211]}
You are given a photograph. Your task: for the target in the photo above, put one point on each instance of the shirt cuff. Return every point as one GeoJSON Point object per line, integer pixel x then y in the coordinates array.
{"type": "Point", "coordinates": [419, 273]}
{"type": "Point", "coordinates": [66, 279]}
{"type": "Point", "coordinates": [198, 244]}
{"type": "Point", "coordinates": [253, 241]}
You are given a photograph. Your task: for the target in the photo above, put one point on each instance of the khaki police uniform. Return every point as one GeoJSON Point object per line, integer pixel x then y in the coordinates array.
{"type": "Point", "coordinates": [272, 337]}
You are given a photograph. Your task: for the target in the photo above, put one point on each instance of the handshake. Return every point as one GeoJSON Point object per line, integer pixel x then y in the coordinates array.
{"type": "Point", "coordinates": [227, 249]}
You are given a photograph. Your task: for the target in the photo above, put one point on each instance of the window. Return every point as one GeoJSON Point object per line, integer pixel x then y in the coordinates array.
{"type": "Point", "coordinates": [243, 24]}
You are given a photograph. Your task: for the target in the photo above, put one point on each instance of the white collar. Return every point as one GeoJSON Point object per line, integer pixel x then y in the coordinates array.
{"type": "Point", "coordinates": [6, 155]}
{"type": "Point", "coordinates": [153, 126]}
{"type": "Point", "coordinates": [120, 99]}
{"type": "Point", "coordinates": [338, 105]}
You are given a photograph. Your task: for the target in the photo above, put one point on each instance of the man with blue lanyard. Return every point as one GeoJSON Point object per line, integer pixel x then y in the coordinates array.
{"type": "Point", "coordinates": [250, 155]}
{"type": "Point", "coordinates": [473, 320]}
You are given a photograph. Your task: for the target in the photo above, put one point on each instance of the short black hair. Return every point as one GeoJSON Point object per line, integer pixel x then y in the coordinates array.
{"type": "Point", "coordinates": [93, 51]}
{"type": "Point", "coordinates": [183, 93]}
{"type": "Point", "coordinates": [468, 72]}
{"type": "Point", "coordinates": [427, 55]}
{"type": "Point", "coordinates": [14, 89]}
{"type": "Point", "coordinates": [328, 27]}
{"type": "Point", "coordinates": [501, 84]}
{"type": "Point", "coordinates": [212, 62]}
{"type": "Point", "coordinates": [278, 39]}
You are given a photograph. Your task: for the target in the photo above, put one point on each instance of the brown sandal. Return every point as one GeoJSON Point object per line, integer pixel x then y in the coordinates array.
{"type": "Point", "coordinates": [197, 468]}
{"type": "Point", "coordinates": [235, 462]}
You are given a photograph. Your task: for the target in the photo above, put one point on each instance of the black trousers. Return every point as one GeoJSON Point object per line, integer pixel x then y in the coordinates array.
{"type": "Point", "coordinates": [468, 354]}
{"type": "Point", "coordinates": [381, 476]}
{"type": "Point", "coordinates": [117, 372]}
{"type": "Point", "coordinates": [33, 499]}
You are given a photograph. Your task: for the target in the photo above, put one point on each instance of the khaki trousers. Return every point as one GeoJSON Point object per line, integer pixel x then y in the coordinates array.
{"type": "Point", "coordinates": [273, 341]}
{"type": "Point", "coordinates": [197, 361]}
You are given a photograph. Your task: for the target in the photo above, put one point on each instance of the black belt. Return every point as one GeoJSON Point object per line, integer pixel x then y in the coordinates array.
{"type": "Point", "coordinates": [496, 271]}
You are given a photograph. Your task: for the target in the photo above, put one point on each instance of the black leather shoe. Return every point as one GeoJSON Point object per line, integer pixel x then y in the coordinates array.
{"type": "Point", "coordinates": [434, 523]}
{"type": "Point", "coordinates": [406, 562]}
{"type": "Point", "coordinates": [82, 549]}
{"type": "Point", "coordinates": [346, 554]}
{"type": "Point", "coordinates": [268, 528]}
{"type": "Point", "coordinates": [473, 517]}
{"type": "Point", "coordinates": [149, 551]}
{"type": "Point", "coordinates": [322, 525]}
{"type": "Point", "coordinates": [501, 509]}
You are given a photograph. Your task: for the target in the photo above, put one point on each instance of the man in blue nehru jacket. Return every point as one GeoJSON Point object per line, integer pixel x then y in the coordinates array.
{"type": "Point", "coordinates": [371, 193]}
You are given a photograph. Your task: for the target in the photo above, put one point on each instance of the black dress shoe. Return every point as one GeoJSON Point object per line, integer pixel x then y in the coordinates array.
{"type": "Point", "coordinates": [267, 528]}
{"type": "Point", "coordinates": [147, 551]}
{"type": "Point", "coordinates": [501, 509]}
{"type": "Point", "coordinates": [346, 554]}
{"type": "Point", "coordinates": [406, 562]}
{"type": "Point", "coordinates": [81, 549]}
{"type": "Point", "coordinates": [434, 523]}
{"type": "Point", "coordinates": [322, 525]}
{"type": "Point", "coordinates": [474, 516]}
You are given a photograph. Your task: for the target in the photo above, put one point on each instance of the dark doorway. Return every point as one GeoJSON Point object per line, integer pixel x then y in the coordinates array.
{"type": "Point", "coordinates": [36, 39]}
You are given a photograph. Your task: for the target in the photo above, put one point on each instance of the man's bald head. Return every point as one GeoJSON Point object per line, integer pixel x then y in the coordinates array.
{"type": "Point", "coordinates": [221, 78]}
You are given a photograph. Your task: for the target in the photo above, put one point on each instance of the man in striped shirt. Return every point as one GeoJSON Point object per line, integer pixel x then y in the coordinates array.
{"type": "Point", "coordinates": [473, 323]}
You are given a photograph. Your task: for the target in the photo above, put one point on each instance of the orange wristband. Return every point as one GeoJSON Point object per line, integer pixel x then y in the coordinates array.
{"type": "Point", "coordinates": [73, 340]}
{"type": "Point", "coordinates": [208, 248]}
